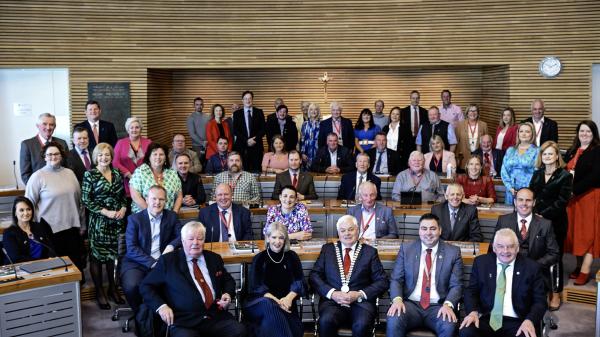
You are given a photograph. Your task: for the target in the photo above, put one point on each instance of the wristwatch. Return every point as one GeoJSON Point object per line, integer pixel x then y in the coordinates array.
{"type": "Point", "coordinates": [360, 298]}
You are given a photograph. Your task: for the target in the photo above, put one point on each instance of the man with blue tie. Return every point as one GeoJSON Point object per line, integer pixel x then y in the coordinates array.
{"type": "Point", "coordinates": [374, 220]}
{"type": "Point", "coordinates": [150, 233]}
{"type": "Point", "coordinates": [348, 276]}
{"type": "Point", "coordinates": [506, 294]}
{"type": "Point", "coordinates": [224, 220]}
{"type": "Point", "coordinates": [426, 283]}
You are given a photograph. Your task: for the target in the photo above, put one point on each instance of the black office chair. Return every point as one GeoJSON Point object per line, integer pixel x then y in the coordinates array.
{"type": "Point", "coordinates": [121, 250]}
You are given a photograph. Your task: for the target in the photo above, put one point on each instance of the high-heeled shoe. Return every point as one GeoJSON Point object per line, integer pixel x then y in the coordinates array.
{"type": "Point", "coordinates": [582, 279]}
{"type": "Point", "coordinates": [575, 273]}
{"type": "Point", "coordinates": [114, 295]}
{"type": "Point", "coordinates": [102, 306]}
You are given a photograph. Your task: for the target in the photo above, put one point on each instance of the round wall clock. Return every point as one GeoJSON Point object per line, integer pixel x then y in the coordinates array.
{"type": "Point", "coordinates": [550, 66]}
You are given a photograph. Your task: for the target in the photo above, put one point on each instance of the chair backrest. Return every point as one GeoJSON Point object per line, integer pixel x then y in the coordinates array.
{"type": "Point", "coordinates": [121, 245]}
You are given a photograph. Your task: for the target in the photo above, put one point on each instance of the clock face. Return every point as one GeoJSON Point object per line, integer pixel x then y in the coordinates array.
{"type": "Point", "coordinates": [550, 67]}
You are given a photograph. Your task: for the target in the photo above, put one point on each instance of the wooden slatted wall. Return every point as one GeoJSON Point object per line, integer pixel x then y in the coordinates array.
{"type": "Point", "coordinates": [114, 40]}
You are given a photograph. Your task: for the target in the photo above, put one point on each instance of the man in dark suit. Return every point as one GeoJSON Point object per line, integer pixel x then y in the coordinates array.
{"type": "Point", "coordinates": [303, 182]}
{"type": "Point", "coordinates": [411, 118]}
{"type": "Point", "coordinates": [30, 159]}
{"type": "Point", "coordinates": [99, 131]}
{"type": "Point", "coordinates": [545, 128]}
{"type": "Point", "coordinates": [80, 158]}
{"type": "Point", "coordinates": [416, 300]}
{"type": "Point", "coordinates": [506, 295]}
{"type": "Point", "coordinates": [491, 159]}
{"type": "Point", "coordinates": [339, 125]}
{"type": "Point", "coordinates": [375, 220]}
{"type": "Point", "coordinates": [351, 180]}
{"type": "Point", "coordinates": [342, 158]}
{"type": "Point", "coordinates": [150, 233]}
{"type": "Point", "coordinates": [348, 276]}
{"type": "Point", "coordinates": [459, 221]}
{"type": "Point", "coordinates": [383, 160]}
{"type": "Point", "coordinates": [192, 306]}
{"type": "Point", "coordinates": [535, 234]}
{"type": "Point", "coordinates": [226, 221]}
{"type": "Point", "coordinates": [282, 125]}
{"type": "Point", "coordinates": [249, 130]}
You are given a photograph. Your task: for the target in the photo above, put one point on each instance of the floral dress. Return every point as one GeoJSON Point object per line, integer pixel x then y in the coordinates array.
{"type": "Point", "coordinates": [296, 221]}
{"type": "Point", "coordinates": [517, 170]}
{"type": "Point", "coordinates": [143, 178]}
{"type": "Point", "coordinates": [308, 141]}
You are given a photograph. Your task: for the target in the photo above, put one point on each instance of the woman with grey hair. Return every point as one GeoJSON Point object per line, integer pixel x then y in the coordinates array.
{"type": "Point", "coordinates": [130, 151]}
{"type": "Point", "coordinates": [275, 281]}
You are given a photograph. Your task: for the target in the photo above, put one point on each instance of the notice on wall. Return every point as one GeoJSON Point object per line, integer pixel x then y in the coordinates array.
{"type": "Point", "coordinates": [22, 109]}
{"type": "Point", "coordinates": [115, 102]}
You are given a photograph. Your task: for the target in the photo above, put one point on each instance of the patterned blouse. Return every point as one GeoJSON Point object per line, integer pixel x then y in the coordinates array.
{"type": "Point", "coordinates": [309, 135]}
{"type": "Point", "coordinates": [517, 170]}
{"type": "Point", "coordinates": [297, 220]}
{"type": "Point", "coordinates": [143, 178]}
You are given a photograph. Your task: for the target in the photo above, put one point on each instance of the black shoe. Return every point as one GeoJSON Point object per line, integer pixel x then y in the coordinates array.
{"type": "Point", "coordinates": [103, 306]}
{"type": "Point", "coordinates": [114, 295]}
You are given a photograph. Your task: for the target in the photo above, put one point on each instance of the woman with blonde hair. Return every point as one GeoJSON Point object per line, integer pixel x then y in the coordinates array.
{"type": "Point", "coordinates": [468, 133]}
{"type": "Point", "coordinates": [309, 135]}
{"type": "Point", "coordinates": [519, 162]}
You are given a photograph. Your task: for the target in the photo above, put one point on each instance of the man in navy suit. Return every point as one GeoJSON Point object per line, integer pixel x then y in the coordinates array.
{"type": "Point", "coordinates": [224, 220]}
{"type": "Point", "coordinates": [348, 276]}
{"type": "Point", "coordinates": [30, 159]}
{"type": "Point", "coordinates": [99, 131]}
{"type": "Point", "coordinates": [351, 180]}
{"type": "Point", "coordinates": [426, 283]}
{"type": "Point", "coordinates": [383, 160]}
{"type": "Point", "coordinates": [150, 233]}
{"type": "Point", "coordinates": [339, 125]}
{"type": "Point", "coordinates": [459, 221]}
{"type": "Point", "coordinates": [545, 128]}
{"type": "Point", "coordinates": [283, 125]}
{"type": "Point", "coordinates": [509, 276]}
{"type": "Point", "coordinates": [491, 159]}
{"type": "Point", "coordinates": [249, 130]}
{"type": "Point", "coordinates": [80, 158]}
{"type": "Point", "coordinates": [192, 306]}
{"type": "Point", "coordinates": [374, 220]}
{"type": "Point", "coordinates": [332, 158]}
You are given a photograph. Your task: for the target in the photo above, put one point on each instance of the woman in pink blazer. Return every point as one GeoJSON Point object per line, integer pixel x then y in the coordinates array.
{"type": "Point", "coordinates": [438, 159]}
{"type": "Point", "coordinates": [130, 151]}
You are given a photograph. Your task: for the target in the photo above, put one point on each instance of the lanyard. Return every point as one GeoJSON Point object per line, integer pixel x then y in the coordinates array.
{"type": "Point", "coordinates": [223, 162]}
{"type": "Point", "coordinates": [436, 163]}
{"type": "Point", "coordinates": [338, 127]}
{"type": "Point", "coordinates": [365, 224]}
{"type": "Point", "coordinates": [224, 221]}
{"type": "Point", "coordinates": [472, 130]}
{"type": "Point", "coordinates": [233, 184]}
{"type": "Point", "coordinates": [416, 182]}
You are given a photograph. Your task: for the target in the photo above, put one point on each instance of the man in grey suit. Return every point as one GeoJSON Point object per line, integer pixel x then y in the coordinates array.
{"type": "Point", "coordinates": [417, 301]}
{"type": "Point", "coordinates": [30, 159]}
{"type": "Point", "coordinates": [374, 220]}
{"type": "Point", "coordinates": [303, 182]}
{"type": "Point", "coordinates": [535, 234]}
{"type": "Point", "coordinates": [458, 220]}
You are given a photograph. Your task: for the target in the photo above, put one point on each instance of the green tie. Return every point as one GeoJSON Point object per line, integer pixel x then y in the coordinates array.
{"type": "Point", "coordinates": [496, 317]}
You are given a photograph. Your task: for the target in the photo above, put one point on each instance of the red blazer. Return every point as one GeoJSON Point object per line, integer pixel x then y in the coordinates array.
{"type": "Point", "coordinates": [212, 136]}
{"type": "Point", "coordinates": [509, 138]}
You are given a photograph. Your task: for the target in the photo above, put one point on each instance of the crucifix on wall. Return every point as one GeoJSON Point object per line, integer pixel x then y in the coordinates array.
{"type": "Point", "coordinates": [325, 79]}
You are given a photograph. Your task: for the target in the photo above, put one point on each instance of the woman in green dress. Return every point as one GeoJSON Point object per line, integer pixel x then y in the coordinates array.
{"type": "Point", "coordinates": [103, 195]}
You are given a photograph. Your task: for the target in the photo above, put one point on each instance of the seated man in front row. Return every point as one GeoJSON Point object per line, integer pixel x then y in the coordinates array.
{"type": "Point", "coordinates": [416, 178]}
{"type": "Point", "coordinates": [348, 276]}
{"type": "Point", "coordinates": [226, 221]}
{"type": "Point", "coordinates": [150, 233]}
{"type": "Point", "coordinates": [506, 294]}
{"type": "Point", "coordinates": [374, 220]}
{"type": "Point", "coordinates": [351, 180]}
{"type": "Point", "coordinates": [426, 283]}
{"type": "Point", "coordinates": [302, 181]}
{"type": "Point", "coordinates": [332, 158]}
{"type": "Point", "coordinates": [459, 221]}
{"type": "Point", "coordinates": [191, 289]}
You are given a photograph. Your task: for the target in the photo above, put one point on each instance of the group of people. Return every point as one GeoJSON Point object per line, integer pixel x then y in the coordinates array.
{"type": "Point", "coordinates": [106, 187]}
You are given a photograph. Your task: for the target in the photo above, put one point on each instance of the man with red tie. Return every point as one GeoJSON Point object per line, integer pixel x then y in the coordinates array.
{"type": "Point", "coordinates": [303, 182]}
{"type": "Point", "coordinates": [491, 159]}
{"type": "Point", "coordinates": [191, 289]}
{"type": "Point", "coordinates": [426, 283]}
{"type": "Point", "coordinates": [80, 157]}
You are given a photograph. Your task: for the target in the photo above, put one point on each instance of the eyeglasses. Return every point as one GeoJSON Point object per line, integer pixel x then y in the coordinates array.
{"type": "Point", "coordinates": [56, 154]}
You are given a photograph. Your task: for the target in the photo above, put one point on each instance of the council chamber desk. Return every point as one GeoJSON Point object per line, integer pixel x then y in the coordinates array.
{"type": "Point", "coordinates": [45, 303]}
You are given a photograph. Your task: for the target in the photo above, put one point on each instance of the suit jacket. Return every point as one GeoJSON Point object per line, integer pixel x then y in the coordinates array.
{"type": "Point", "coordinates": [393, 160]}
{"type": "Point", "coordinates": [242, 223]}
{"type": "Point", "coordinates": [448, 272]}
{"type": "Point", "coordinates": [587, 170]}
{"type": "Point", "coordinates": [539, 245]}
{"type": "Point", "coordinates": [348, 186]}
{"type": "Point", "coordinates": [549, 130]}
{"type": "Point", "coordinates": [171, 283]}
{"type": "Point", "coordinates": [528, 292]}
{"type": "Point", "coordinates": [497, 158]}
{"type": "Point", "coordinates": [385, 223]}
{"type": "Point", "coordinates": [405, 116]}
{"type": "Point", "coordinates": [290, 132]}
{"type": "Point", "coordinates": [252, 156]}
{"type": "Point", "coordinates": [306, 185]}
{"type": "Point", "coordinates": [551, 197]}
{"type": "Point", "coordinates": [322, 160]}
{"type": "Point", "coordinates": [30, 159]}
{"type": "Point", "coordinates": [16, 242]}
{"type": "Point", "coordinates": [368, 274]}
{"type": "Point", "coordinates": [463, 151]}
{"type": "Point", "coordinates": [139, 238]}
{"type": "Point", "coordinates": [106, 133]}
{"type": "Point", "coordinates": [326, 127]}
{"type": "Point", "coordinates": [466, 227]}
{"type": "Point", "coordinates": [75, 163]}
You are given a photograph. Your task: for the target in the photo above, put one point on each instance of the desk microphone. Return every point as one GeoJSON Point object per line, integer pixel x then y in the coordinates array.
{"type": "Point", "coordinates": [12, 264]}
{"type": "Point", "coordinates": [53, 253]}
{"type": "Point", "coordinates": [15, 174]}
{"type": "Point", "coordinates": [324, 186]}
{"type": "Point", "coordinates": [474, 249]}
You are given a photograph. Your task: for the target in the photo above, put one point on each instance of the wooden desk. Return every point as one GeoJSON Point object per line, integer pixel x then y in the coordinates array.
{"type": "Point", "coordinates": [42, 304]}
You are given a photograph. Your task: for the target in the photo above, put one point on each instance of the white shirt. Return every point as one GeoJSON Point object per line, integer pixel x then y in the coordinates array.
{"type": "Point", "coordinates": [229, 224]}
{"type": "Point", "coordinates": [204, 270]}
{"type": "Point", "coordinates": [296, 172]}
{"type": "Point", "coordinates": [366, 215]}
{"type": "Point", "coordinates": [383, 167]}
{"type": "Point", "coordinates": [528, 219]}
{"type": "Point", "coordinates": [97, 124]}
{"type": "Point", "coordinates": [155, 234]}
{"type": "Point", "coordinates": [507, 308]}
{"type": "Point", "coordinates": [392, 137]}
{"type": "Point", "coordinates": [364, 178]}
{"type": "Point", "coordinates": [500, 139]}
{"type": "Point", "coordinates": [44, 140]}
{"type": "Point", "coordinates": [538, 130]}
{"type": "Point", "coordinates": [333, 156]}
{"type": "Point", "coordinates": [434, 296]}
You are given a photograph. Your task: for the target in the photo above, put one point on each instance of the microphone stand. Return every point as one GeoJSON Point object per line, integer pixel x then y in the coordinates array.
{"type": "Point", "coordinates": [12, 264]}
{"type": "Point", "coordinates": [15, 174]}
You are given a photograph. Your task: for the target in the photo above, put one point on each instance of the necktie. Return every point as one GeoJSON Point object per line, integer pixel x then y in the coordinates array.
{"type": "Point", "coordinates": [415, 126]}
{"type": "Point", "coordinates": [86, 160]}
{"type": "Point", "coordinates": [295, 180]}
{"type": "Point", "coordinates": [347, 261]}
{"type": "Point", "coordinates": [486, 164]}
{"type": "Point", "coordinates": [360, 180]}
{"type": "Point", "coordinates": [426, 284]}
{"type": "Point", "coordinates": [47, 142]}
{"type": "Point", "coordinates": [378, 164]}
{"type": "Point", "coordinates": [523, 229]}
{"type": "Point", "coordinates": [453, 220]}
{"type": "Point", "coordinates": [496, 316]}
{"type": "Point", "coordinates": [95, 131]}
{"type": "Point", "coordinates": [224, 227]}
{"type": "Point", "coordinates": [208, 296]}
{"type": "Point", "coordinates": [248, 121]}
